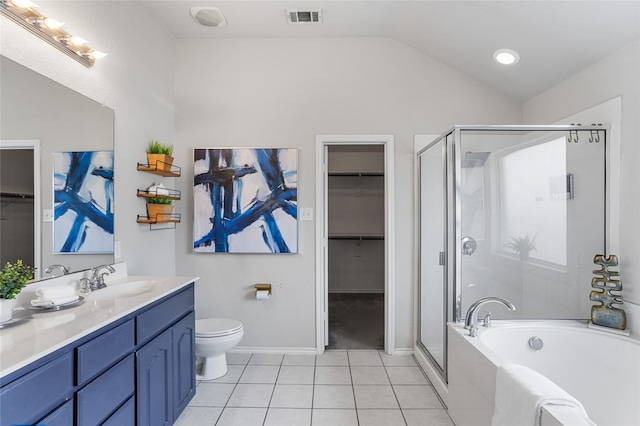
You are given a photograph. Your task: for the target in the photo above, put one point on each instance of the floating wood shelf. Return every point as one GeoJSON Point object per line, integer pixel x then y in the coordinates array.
{"type": "Point", "coordinates": [157, 169]}
{"type": "Point", "coordinates": [161, 221]}
{"type": "Point", "coordinates": [172, 194]}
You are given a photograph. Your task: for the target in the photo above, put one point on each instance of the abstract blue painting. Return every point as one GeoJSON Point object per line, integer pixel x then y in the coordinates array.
{"type": "Point", "coordinates": [83, 202]}
{"type": "Point", "coordinates": [245, 200]}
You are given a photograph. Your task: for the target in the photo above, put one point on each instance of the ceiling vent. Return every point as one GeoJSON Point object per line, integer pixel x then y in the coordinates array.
{"type": "Point", "coordinates": [304, 16]}
{"type": "Point", "coordinates": [209, 16]}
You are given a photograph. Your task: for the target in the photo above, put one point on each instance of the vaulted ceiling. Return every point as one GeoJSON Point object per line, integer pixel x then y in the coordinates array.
{"type": "Point", "coordinates": [555, 39]}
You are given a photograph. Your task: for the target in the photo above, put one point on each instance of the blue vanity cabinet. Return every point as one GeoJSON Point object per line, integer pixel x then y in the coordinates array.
{"type": "Point", "coordinates": [137, 370]}
{"type": "Point", "coordinates": [165, 366]}
{"type": "Point", "coordinates": [184, 366]}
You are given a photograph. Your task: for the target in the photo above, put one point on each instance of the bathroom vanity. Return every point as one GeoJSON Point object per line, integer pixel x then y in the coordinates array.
{"type": "Point", "coordinates": [123, 357]}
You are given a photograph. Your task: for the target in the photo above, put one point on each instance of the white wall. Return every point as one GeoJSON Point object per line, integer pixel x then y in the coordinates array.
{"type": "Point", "coordinates": [274, 92]}
{"type": "Point", "coordinates": [136, 80]}
{"type": "Point", "coordinates": [616, 75]}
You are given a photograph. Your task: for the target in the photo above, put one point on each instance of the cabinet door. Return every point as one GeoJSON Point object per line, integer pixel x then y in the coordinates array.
{"type": "Point", "coordinates": [184, 363]}
{"type": "Point", "coordinates": [155, 382]}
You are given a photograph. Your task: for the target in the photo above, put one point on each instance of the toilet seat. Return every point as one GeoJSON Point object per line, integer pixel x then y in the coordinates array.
{"type": "Point", "coordinates": [217, 327]}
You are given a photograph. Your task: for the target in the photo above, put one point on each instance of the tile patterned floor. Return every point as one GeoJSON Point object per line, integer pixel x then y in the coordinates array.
{"type": "Point", "coordinates": [337, 388]}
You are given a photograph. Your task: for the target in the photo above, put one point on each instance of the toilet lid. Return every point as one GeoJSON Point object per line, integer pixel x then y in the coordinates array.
{"type": "Point", "coordinates": [215, 327]}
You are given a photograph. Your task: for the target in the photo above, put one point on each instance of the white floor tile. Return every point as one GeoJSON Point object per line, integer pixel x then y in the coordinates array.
{"type": "Point", "coordinates": [365, 358]}
{"type": "Point", "coordinates": [266, 359]}
{"type": "Point", "coordinates": [380, 418]}
{"type": "Point", "coordinates": [333, 358]}
{"type": "Point", "coordinates": [288, 417]}
{"type": "Point", "coordinates": [397, 360]}
{"type": "Point", "coordinates": [242, 417]}
{"type": "Point", "coordinates": [296, 375]}
{"type": "Point", "coordinates": [199, 416]}
{"type": "Point", "coordinates": [427, 417]}
{"type": "Point", "coordinates": [292, 396]}
{"type": "Point", "coordinates": [406, 376]}
{"type": "Point", "coordinates": [322, 417]}
{"type": "Point", "coordinates": [333, 396]}
{"type": "Point", "coordinates": [302, 359]}
{"type": "Point", "coordinates": [251, 395]}
{"type": "Point", "coordinates": [369, 376]}
{"type": "Point", "coordinates": [260, 374]}
{"type": "Point", "coordinates": [379, 397]}
{"type": "Point", "coordinates": [417, 397]}
{"type": "Point", "coordinates": [333, 376]}
{"type": "Point", "coordinates": [211, 395]}
{"type": "Point", "coordinates": [240, 358]}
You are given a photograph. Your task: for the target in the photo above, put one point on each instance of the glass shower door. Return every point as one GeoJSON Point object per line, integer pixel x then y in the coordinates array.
{"type": "Point", "coordinates": [432, 287]}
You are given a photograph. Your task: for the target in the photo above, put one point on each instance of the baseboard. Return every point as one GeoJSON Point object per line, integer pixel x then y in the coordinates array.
{"type": "Point", "coordinates": [262, 350]}
{"type": "Point", "coordinates": [403, 351]}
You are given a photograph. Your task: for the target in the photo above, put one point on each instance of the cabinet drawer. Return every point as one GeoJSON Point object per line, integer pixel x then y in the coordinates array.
{"type": "Point", "coordinates": [63, 416]}
{"type": "Point", "coordinates": [100, 353]}
{"type": "Point", "coordinates": [125, 416]}
{"type": "Point", "coordinates": [100, 398]}
{"type": "Point", "coordinates": [158, 318]}
{"type": "Point", "coordinates": [31, 397]}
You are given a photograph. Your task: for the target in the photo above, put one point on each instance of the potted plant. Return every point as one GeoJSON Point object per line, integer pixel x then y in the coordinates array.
{"type": "Point", "coordinates": [522, 245]}
{"type": "Point", "coordinates": [13, 277]}
{"type": "Point", "coordinates": [159, 209]}
{"type": "Point", "coordinates": [159, 155]}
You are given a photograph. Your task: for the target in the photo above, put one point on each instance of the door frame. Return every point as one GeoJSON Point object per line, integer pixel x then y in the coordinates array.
{"type": "Point", "coordinates": [322, 144]}
{"type": "Point", "coordinates": [33, 145]}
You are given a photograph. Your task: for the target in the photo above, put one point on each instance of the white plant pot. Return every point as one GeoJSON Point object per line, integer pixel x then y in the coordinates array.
{"type": "Point", "coordinates": [6, 309]}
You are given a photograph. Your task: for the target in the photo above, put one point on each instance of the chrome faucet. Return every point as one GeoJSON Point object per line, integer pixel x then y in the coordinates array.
{"type": "Point", "coordinates": [61, 268]}
{"type": "Point", "coordinates": [97, 278]}
{"type": "Point", "coordinates": [471, 320]}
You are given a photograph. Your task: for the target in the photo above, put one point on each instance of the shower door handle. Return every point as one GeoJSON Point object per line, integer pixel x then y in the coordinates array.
{"type": "Point", "coordinates": [441, 259]}
{"type": "Point", "coordinates": [469, 246]}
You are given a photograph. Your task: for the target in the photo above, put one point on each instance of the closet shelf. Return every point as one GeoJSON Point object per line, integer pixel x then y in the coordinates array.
{"type": "Point", "coordinates": [356, 237]}
{"type": "Point", "coordinates": [373, 174]}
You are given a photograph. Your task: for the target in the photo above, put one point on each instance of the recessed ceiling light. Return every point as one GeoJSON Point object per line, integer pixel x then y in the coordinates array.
{"type": "Point", "coordinates": [506, 56]}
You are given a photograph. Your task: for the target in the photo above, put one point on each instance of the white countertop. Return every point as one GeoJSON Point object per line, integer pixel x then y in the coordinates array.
{"type": "Point", "coordinates": [48, 331]}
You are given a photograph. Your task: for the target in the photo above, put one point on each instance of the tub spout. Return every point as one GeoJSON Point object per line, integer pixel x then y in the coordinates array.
{"type": "Point", "coordinates": [471, 320]}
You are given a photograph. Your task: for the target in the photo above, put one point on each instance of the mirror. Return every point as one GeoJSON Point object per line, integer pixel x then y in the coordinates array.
{"type": "Point", "coordinates": [41, 117]}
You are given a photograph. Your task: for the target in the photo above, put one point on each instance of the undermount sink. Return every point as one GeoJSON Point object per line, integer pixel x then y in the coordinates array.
{"type": "Point", "coordinates": [122, 290]}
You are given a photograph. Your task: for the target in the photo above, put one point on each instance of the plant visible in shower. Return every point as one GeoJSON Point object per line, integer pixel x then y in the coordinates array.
{"type": "Point", "coordinates": [522, 245]}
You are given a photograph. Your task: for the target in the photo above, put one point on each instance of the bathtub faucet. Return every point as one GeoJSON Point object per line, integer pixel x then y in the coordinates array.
{"type": "Point", "coordinates": [471, 320]}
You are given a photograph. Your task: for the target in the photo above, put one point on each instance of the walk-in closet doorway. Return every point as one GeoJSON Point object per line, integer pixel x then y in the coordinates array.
{"type": "Point", "coordinates": [355, 250]}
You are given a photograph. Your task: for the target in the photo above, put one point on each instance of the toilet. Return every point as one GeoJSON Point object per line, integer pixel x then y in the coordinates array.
{"type": "Point", "coordinates": [214, 337]}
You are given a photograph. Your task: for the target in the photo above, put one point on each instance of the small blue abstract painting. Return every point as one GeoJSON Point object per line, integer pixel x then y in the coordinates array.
{"type": "Point", "coordinates": [245, 200]}
{"type": "Point", "coordinates": [83, 202]}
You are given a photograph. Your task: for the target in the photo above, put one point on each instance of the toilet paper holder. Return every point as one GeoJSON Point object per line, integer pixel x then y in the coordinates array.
{"type": "Point", "coordinates": [260, 287]}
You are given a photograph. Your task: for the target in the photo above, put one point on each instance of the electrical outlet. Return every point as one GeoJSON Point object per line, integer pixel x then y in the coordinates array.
{"type": "Point", "coordinates": [306, 213]}
{"type": "Point", "coordinates": [47, 215]}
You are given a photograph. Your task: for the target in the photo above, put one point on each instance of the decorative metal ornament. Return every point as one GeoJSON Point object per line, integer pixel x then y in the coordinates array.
{"type": "Point", "coordinates": [604, 284]}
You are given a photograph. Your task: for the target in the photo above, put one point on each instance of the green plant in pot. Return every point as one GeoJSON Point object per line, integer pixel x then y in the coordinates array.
{"type": "Point", "coordinates": [159, 155]}
{"type": "Point", "coordinates": [522, 245]}
{"type": "Point", "coordinates": [13, 278]}
{"type": "Point", "coordinates": [159, 209]}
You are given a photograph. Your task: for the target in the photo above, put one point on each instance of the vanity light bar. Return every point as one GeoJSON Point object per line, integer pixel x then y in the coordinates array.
{"type": "Point", "coordinates": [21, 12]}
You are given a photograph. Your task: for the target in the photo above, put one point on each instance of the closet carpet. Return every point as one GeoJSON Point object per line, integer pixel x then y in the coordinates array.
{"type": "Point", "coordinates": [356, 321]}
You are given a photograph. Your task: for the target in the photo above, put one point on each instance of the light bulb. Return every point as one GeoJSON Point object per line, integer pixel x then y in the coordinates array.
{"type": "Point", "coordinates": [506, 56]}
{"type": "Point", "coordinates": [52, 23]}
{"type": "Point", "coordinates": [98, 55]}
{"type": "Point", "coordinates": [78, 41]}
{"type": "Point", "coordinates": [23, 3]}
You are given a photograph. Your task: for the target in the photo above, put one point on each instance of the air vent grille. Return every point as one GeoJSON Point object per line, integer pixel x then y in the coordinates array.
{"type": "Point", "coordinates": [304, 16]}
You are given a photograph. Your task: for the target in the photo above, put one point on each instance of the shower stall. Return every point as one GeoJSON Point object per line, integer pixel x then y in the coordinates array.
{"type": "Point", "coordinates": [516, 212]}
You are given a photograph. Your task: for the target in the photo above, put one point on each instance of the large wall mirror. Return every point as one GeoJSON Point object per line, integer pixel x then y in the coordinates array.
{"type": "Point", "coordinates": [39, 120]}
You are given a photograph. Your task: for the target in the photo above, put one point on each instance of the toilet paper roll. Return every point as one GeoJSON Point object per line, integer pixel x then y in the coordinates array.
{"type": "Point", "coordinates": [262, 294]}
